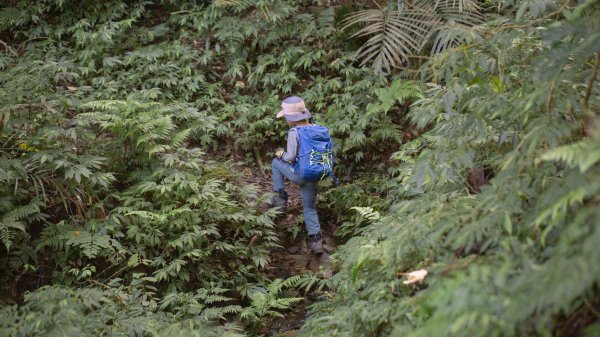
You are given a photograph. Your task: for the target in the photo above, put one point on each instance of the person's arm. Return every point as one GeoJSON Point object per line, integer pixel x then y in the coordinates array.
{"type": "Point", "coordinates": [292, 147]}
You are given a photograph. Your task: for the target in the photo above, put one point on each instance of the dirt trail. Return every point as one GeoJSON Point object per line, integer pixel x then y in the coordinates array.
{"type": "Point", "coordinates": [293, 257]}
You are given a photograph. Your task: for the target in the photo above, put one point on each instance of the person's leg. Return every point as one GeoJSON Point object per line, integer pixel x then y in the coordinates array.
{"type": "Point", "coordinates": [280, 169]}
{"type": "Point", "coordinates": [308, 192]}
{"type": "Point", "coordinates": [277, 175]}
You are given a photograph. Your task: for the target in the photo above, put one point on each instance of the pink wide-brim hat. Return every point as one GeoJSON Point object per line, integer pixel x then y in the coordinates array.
{"type": "Point", "coordinates": [294, 109]}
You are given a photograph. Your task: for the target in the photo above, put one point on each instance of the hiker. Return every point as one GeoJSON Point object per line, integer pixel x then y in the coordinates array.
{"type": "Point", "coordinates": [290, 164]}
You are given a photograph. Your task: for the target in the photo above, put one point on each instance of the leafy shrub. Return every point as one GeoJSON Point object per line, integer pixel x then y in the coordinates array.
{"type": "Point", "coordinates": [518, 257]}
{"type": "Point", "coordinates": [115, 311]}
{"type": "Point", "coordinates": [118, 118]}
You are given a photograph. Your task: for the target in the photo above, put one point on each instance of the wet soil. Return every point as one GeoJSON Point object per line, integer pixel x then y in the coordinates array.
{"type": "Point", "coordinates": [293, 257]}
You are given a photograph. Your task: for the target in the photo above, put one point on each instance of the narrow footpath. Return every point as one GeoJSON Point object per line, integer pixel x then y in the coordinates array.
{"type": "Point", "coordinates": [293, 257]}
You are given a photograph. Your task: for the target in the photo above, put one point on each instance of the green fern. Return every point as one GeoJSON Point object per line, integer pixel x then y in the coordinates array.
{"type": "Point", "coordinates": [16, 220]}
{"type": "Point", "coordinates": [584, 154]}
{"type": "Point", "coordinates": [267, 303]}
{"type": "Point", "coordinates": [499, 257]}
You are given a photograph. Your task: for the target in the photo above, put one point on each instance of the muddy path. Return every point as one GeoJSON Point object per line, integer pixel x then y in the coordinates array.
{"type": "Point", "coordinates": [293, 257]}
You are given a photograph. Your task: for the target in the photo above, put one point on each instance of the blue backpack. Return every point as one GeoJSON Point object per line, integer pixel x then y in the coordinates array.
{"type": "Point", "coordinates": [315, 158]}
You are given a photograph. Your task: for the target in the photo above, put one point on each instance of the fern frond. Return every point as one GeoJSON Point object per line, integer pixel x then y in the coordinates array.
{"type": "Point", "coordinates": [583, 154]}
{"type": "Point", "coordinates": [180, 137]}
{"type": "Point", "coordinates": [367, 213]}
{"type": "Point", "coordinates": [16, 220]}
{"type": "Point", "coordinates": [397, 34]}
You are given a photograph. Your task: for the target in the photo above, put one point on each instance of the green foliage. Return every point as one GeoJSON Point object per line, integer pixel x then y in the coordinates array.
{"type": "Point", "coordinates": [398, 31]}
{"type": "Point", "coordinates": [177, 212]}
{"type": "Point", "coordinates": [518, 257]}
{"type": "Point", "coordinates": [118, 119]}
{"type": "Point", "coordinates": [115, 311]}
{"type": "Point", "coordinates": [118, 189]}
{"type": "Point", "coordinates": [266, 302]}
{"type": "Point", "coordinates": [339, 203]}
{"type": "Point", "coordinates": [15, 219]}
{"type": "Point", "coordinates": [112, 115]}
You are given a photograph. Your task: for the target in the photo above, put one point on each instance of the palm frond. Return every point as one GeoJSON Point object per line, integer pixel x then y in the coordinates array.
{"type": "Point", "coordinates": [461, 5]}
{"type": "Point", "coordinates": [394, 35]}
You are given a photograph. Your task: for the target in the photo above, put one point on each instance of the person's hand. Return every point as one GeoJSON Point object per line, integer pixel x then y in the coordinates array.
{"type": "Point", "coordinates": [279, 153]}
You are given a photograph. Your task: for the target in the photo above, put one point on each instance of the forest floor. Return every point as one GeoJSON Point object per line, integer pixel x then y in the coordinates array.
{"type": "Point", "coordinates": [293, 257]}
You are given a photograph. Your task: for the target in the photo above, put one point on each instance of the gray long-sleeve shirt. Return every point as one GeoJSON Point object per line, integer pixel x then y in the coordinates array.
{"type": "Point", "coordinates": [293, 146]}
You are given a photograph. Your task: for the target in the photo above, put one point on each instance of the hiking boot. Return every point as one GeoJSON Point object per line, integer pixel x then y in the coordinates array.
{"type": "Point", "coordinates": [315, 243]}
{"type": "Point", "coordinates": [279, 201]}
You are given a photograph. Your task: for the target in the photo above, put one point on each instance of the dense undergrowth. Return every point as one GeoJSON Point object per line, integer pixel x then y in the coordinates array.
{"type": "Point", "coordinates": [125, 124]}
{"type": "Point", "coordinates": [520, 257]}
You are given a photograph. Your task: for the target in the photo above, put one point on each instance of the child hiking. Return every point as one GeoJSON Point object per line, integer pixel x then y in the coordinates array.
{"type": "Point", "coordinates": [307, 159]}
